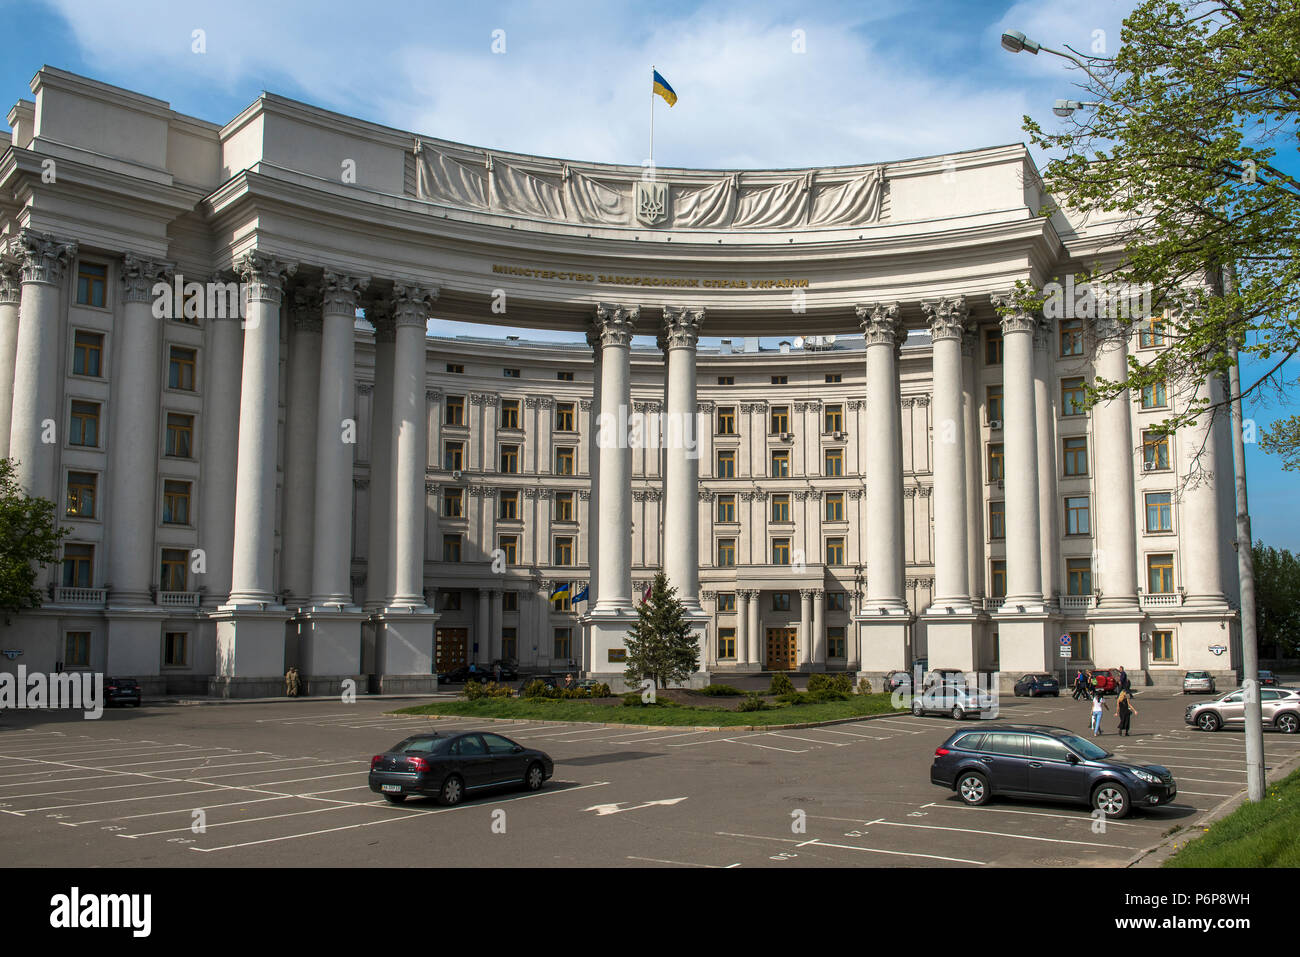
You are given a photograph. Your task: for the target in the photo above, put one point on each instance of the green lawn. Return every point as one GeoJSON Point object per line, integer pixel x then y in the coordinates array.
{"type": "Point", "coordinates": [663, 713]}
{"type": "Point", "coordinates": [1254, 835]}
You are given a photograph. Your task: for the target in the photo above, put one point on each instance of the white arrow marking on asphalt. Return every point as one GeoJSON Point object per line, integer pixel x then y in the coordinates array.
{"type": "Point", "coordinates": [603, 809]}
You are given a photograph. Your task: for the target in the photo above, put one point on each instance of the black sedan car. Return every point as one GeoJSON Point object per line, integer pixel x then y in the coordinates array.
{"type": "Point", "coordinates": [462, 675]}
{"type": "Point", "coordinates": [450, 766]}
{"type": "Point", "coordinates": [1046, 764]}
{"type": "Point", "coordinates": [1036, 685]}
{"type": "Point", "coordinates": [121, 691]}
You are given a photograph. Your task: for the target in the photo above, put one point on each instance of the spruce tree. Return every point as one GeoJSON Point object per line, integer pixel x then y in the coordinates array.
{"type": "Point", "coordinates": [661, 646]}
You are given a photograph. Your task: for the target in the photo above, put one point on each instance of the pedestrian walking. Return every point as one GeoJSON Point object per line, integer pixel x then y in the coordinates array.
{"type": "Point", "coordinates": [1098, 709]}
{"type": "Point", "coordinates": [1124, 683]}
{"type": "Point", "coordinates": [1124, 709]}
{"type": "Point", "coordinates": [1080, 685]}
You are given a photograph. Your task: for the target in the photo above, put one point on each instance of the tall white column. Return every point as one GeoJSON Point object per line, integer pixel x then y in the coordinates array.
{"type": "Point", "coordinates": [1203, 537]}
{"type": "Point", "coordinates": [302, 400]}
{"type": "Point", "coordinates": [483, 627]}
{"type": "Point", "coordinates": [379, 313]}
{"type": "Point", "coordinates": [133, 437]}
{"type": "Point", "coordinates": [37, 422]}
{"type": "Point", "coordinates": [682, 477]}
{"type": "Point", "coordinates": [1112, 432]}
{"type": "Point", "coordinates": [335, 442]}
{"type": "Point", "coordinates": [1049, 504]}
{"type": "Point", "coordinates": [755, 639]}
{"type": "Point", "coordinates": [593, 468]}
{"type": "Point", "coordinates": [974, 485]}
{"type": "Point", "coordinates": [252, 577]}
{"type": "Point", "coordinates": [819, 658]}
{"type": "Point", "coordinates": [742, 627]}
{"type": "Point", "coordinates": [225, 346]}
{"type": "Point", "coordinates": [615, 325]}
{"type": "Point", "coordinates": [494, 626]}
{"type": "Point", "coordinates": [11, 291]}
{"type": "Point", "coordinates": [883, 330]}
{"type": "Point", "coordinates": [411, 306]}
{"type": "Point", "coordinates": [805, 627]}
{"type": "Point", "coordinates": [947, 318]}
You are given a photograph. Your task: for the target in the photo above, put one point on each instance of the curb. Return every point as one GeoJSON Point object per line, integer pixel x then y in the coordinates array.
{"type": "Point", "coordinates": [306, 699]}
{"type": "Point", "coordinates": [658, 727]}
{"type": "Point", "coordinates": [1161, 851]}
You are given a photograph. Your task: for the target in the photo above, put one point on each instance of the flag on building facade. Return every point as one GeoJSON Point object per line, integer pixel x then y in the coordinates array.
{"type": "Point", "coordinates": [560, 591]}
{"type": "Point", "coordinates": [582, 595]}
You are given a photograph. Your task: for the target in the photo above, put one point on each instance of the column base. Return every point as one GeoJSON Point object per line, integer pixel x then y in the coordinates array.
{"type": "Point", "coordinates": [952, 641]}
{"type": "Point", "coordinates": [329, 642]}
{"type": "Point", "coordinates": [404, 647]}
{"type": "Point", "coordinates": [609, 634]}
{"type": "Point", "coordinates": [250, 652]}
{"type": "Point", "coordinates": [883, 643]}
{"type": "Point", "coordinates": [1026, 642]}
{"type": "Point", "coordinates": [134, 645]}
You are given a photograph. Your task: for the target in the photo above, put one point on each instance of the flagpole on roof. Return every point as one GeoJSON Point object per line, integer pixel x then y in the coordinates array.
{"type": "Point", "coordinates": [652, 120]}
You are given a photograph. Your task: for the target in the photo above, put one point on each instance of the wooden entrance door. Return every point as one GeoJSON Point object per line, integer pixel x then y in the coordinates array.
{"type": "Point", "coordinates": [782, 649]}
{"type": "Point", "coordinates": [450, 649]}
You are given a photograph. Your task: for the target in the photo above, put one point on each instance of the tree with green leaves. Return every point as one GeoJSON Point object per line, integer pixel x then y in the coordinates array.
{"type": "Point", "coordinates": [1183, 144]}
{"type": "Point", "coordinates": [661, 645]}
{"type": "Point", "coordinates": [29, 540]}
{"type": "Point", "coordinates": [1277, 599]}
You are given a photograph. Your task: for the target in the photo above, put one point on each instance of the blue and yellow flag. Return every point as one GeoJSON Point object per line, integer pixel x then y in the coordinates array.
{"type": "Point", "coordinates": [560, 591]}
{"type": "Point", "coordinates": [663, 89]}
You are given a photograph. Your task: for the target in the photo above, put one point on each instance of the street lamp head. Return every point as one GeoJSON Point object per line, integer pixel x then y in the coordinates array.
{"type": "Point", "coordinates": [1015, 41]}
{"type": "Point", "coordinates": [1065, 107]}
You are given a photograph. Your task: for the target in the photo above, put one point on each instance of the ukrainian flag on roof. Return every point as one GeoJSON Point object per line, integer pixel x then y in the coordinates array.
{"type": "Point", "coordinates": [663, 89]}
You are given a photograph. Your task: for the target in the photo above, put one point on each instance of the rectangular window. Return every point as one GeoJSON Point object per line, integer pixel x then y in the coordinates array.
{"type": "Point", "coordinates": [780, 551]}
{"type": "Point", "coordinates": [509, 545]}
{"type": "Point", "coordinates": [726, 508]}
{"type": "Point", "coordinates": [175, 570]}
{"type": "Point", "coordinates": [780, 419]}
{"type": "Point", "coordinates": [835, 551]}
{"type": "Point", "coordinates": [1155, 451]}
{"type": "Point", "coordinates": [81, 494]}
{"type": "Point", "coordinates": [453, 502]}
{"type": "Point", "coordinates": [181, 368]}
{"type": "Point", "coordinates": [837, 601]}
{"type": "Point", "coordinates": [1160, 574]}
{"type": "Point", "coordinates": [726, 380]}
{"type": "Point", "coordinates": [727, 420]}
{"type": "Point", "coordinates": [176, 650]}
{"type": "Point", "coordinates": [1073, 396]}
{"type": "Point", "coordinates": [780, 601]}
{"type": "Point", "coordinates": [993, 347]}
{"type": "Point", "coordinates": [781, 507]}
{"type": "Point", "coordinates": [180, 436]}
{"type": "Point", "coordinates": [997, 520]}
{"type": "Point", "coordinates": [92, 284]}
{"type": "Point", "coordinates": [832, 377]}
{"type": "Point", "coordinates": [510, 373]}
{"type": "Point", "coordinates": [449, 601]}
{"type": "Point", "coordinates": [564, 376]}
{"type": "Point", "coordinates": [509, 413]}
{"type": "Point", "coordinates": [1155, 396]}
{"type": "Point", "coordinates": [1076, 515]}
{"type": "Point", "coordinates": [726, 643]}
{"type": "Point", "coordinates": [780, 380]}
{"type": "Point", "coordinates": [455, 368]}
{"type": "Point", "coordinates": [564, 459]}
{"type": "Point", "coordinates": [833, 418]}
{"type": "Point", "coordinates": [509, 460]}
{"type": "Point", "coordinates": [1080, 646]}
{"type": "Point", "coordinates": [176, 503]}
{"type": "Point", "coordinates": [1074, 454]}
{"type": "Point", "coordinates": [453, 456]}
{"type": "Point", "coordinates": [508, 505]}
{"type": "Point", "coordinates": [564, 551]}
{"type": "Point", "coordinates": [78, 565]}
{"type": "Point", "coordinates": [726, 601]}
{"type": "Point", "coordinates": [1162, 646]}
{"type": "Point", "coordinates": [564, 506]}
{"type": "Point", "coordinates": [510, 601]}
{"type": "Point", "coordinates": [510, 636]}
{"type": "Point", "coordinates": [1078, 576]}
{"type": "Point", "coordinates": [993, 404]}
{"type": "Point", "coordinates": [833, 465]}
{"type": "Point", "coordinates": [563, 643]}
{"type": "Point", "coordinates": [451, 548]}
{"type": "Point", "coordinates": [834, 506]}
{"type": "Point", "coordinates": [726, 552]}
{"type": "Point", "coordinates": [997, 470]}
{"type": "Point", "coordinates": [1160, 517]}
{"type": "Point", "coordinates": [727, 464]}
{"type": "Point", "coordinates": [835, 641]}
{"type": "Point", "coordinates": [565, 602]}
{"type": "Point", "coordinates": [1152, 333]}
{"type": "Point", "coordinates": [564, 416]}
{"type": "Point", "coordinates": [76, 649]}
{"type": "Point", "coordinates": [1071, 337]}
{"type": "Point", "coordinates": [780, 463]}
{"type": "Point", "coordinates": [87, 351]}
{"type": "Point", "coordinates": [454, 411]}
{"type": "Point", "coordinates": [998, 578]}
{"type": "Point", "coordinates": [84, 428]}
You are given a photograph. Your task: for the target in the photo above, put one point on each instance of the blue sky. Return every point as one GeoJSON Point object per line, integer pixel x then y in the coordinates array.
{"type": "Point", "coordinates": [879, 81]}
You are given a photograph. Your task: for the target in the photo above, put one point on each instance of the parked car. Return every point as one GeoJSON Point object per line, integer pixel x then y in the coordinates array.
{"type": "Point", "coordinates": [1106, 681]}
{"type": "Point", "coordinates": [587, 684]}
{"type": "Point", "coordinates": [509, 669]}
{"type": "Point", "coordinates": [897, 680]}
{"type": "Point", "coordinates": [956, 700]}
{"type": "Point", "coordinates": [1267, 679]}
{"type": "Point", "coordinates": [1198, 682]}
{"type": "Point", "coordinates": [1037, 685]}
{"type": "Point", "coordinates": [944, 676]}
{"type": "Point", "coordinates": [1046, 764]}
{"type": "Point", "coordinates": [463, 674]}
{"type": "Point", "coordinates": [449, 766]}
{"type": "Point", "coordinates": [1279, 709]}
{"type": "Point", "coordinates": [121, 691]}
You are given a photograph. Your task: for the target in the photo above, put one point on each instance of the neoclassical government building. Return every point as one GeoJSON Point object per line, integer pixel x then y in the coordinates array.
{"type": "Point", "coordinates": [216, 338]}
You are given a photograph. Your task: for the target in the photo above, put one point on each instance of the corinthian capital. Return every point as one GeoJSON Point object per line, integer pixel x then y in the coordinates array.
{"type": "Point", "coordinates": [263, 276]}
{"type": "Point", "coordinates": [882, 323]}
{"type": "Point", "coordinates": [140, 275]}
{"type": "Point", "coordinates": [10, 286]}
{"type": "Point", "coordinates": [1016, 316]}
{"type": "Point", "coordinates": [340, 294]}
{"type": "Point", "coordinates": [682, 326]}
{"type": "Point", "coordinates": [615, 324]}
{"type": "Point", "coordinates": [42, 258]}
{"type": "Point", "coordinates": [412, 304]}
{"type": "Point", "coordinates": [947, 317]}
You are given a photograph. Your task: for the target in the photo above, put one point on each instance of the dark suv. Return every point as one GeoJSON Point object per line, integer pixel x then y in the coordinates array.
{"type": "Point", "coordinates": [1046, 764]}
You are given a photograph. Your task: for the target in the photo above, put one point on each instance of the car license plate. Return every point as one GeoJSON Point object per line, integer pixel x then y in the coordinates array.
{"type": "Point", "coordinates": [392, 788]}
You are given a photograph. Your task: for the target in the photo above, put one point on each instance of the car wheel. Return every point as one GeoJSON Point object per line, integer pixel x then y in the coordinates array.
{"type": "Point", "coordinates": [1288, 723]}
{"type": "Point", "coordinates": [394, 798]}
{"type": "Point", "coordinates": [917, 709]}
{"type": "Point", "coordinates": [1111, 799]}
{"type": "Point", "coordinates": [453, 789]}
{"type": "Point", "coordinates": [957, 712]}
{"type": "Point", "coordinates": [1208, 721]}
{"type": "Point", "coordinates": [973, 788]}
{"type": "Point", "coordinates": [535, 777]}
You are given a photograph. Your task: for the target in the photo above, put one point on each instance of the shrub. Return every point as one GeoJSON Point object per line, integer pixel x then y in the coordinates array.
{"type": "Point", "coordinates": [478, 689]}
{"type": "Point", "coordinates": [754, 702]}
{"type": "Point", "coordinates": [537, 688]}
{"type": "Point", "coordinates": [601, 690]}
{"type": "Point", "coordinates": [840, 683]}
{"type": "Point", "coordinates": [721, 691]}
{"type": "Point", "coordinates": [781, 684]}
{"type": "Point", "coordinates": [864, 686]}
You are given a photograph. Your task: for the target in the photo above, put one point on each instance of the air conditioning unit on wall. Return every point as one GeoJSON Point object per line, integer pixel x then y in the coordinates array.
{"type": "Point", "coordinates": [995, 423]}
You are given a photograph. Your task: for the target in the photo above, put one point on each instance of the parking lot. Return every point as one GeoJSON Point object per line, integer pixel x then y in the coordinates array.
{"type": "Point", "coordinates": [285, 784]}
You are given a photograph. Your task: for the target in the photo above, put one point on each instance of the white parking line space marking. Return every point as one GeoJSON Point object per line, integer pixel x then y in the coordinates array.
{"type": "Point", "coordinates": [1018, 837]}
{"type": "Point", "coordinates": [1083, 818]}
{"type": "Point", "coordinates": [851, 847]}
